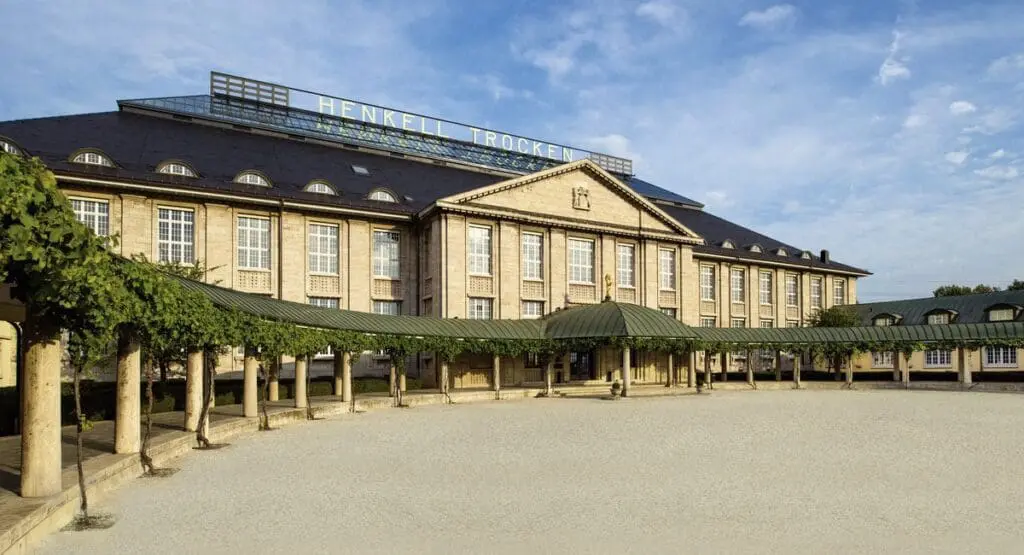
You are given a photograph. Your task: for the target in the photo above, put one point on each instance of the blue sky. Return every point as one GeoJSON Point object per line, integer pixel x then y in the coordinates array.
{"type": "Point", "coordinates": [888, 132]}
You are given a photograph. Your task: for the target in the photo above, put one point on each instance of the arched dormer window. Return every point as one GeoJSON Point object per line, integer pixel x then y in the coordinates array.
{"type": "Point", "coordinates": [754, 248]}
{"type": "Point", "coordinates": [252, 177]}
{"type": "Point", "coordinates": [92, 157]}
{"type": "Point", "coordinates": [781, 252]}
{"type": "Point", "coordinates": [383, 195]}
{"type": "Point", "coordinates": [8, 146]}
{"type": "Point", "coordinates": [806, 255]}
{"type": "Point", "coordinates": [1003, 312]}
{"type": "Point", "coordinates": [320, 186]}
{"type": "Point", "coordinates": [728, 244]}
{"type": "Point", "coordinates": [940, 316]}
{"type": "Point", "coordinates": [886, 319]}
{"type": "Point", "coordinates": [176, 167]}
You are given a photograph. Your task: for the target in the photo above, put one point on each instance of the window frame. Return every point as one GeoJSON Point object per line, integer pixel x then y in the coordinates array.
{"type": "Point", "coordinates": [1006, 353]}
{"type": "Point", "coordinates": [711, 285]}
{"type": "Point", "coordinates": [531, 316]}
{"type": "Point", "coordinates": [318, 183]}
{"type": "Point", "coordinates": [262, 180]}
{"type": "Point", "coordinates": [818, 283]}
{"type": "Point", "coordinates": [82, 215]}
{"type": "Point", "coordinates": [391, 262]}
{"type": "Point", "coordinates": [793, 296]}
{"type": "Point", "coordinates": [945, 316]}
{"type": "Point", "coordinates": [741, 288]}
{"type": "Point", "coordinates": [620, 269]}
{"type": "Point", "coordinates": [102, 159]}
{"type": "Point", "coordinates": [713, 320]}
{"type": "Point", "coordinates": [259, 251]}
{"type": "Point", "coordinates": [878, 359]}
{"type": "Point", "coordinates": [837, 284]}
{"type": "Point", "coordinates": [938, 358]}
{"type": "Point", "coordinates": [527, 264]}
{"type": "Point", "coordinates": [473, 258]}
{"type": "Point", "coordinates": [670, 311]}
{"type": "Point", "coordinates": [184, 224]}
{"type": "Point", "coordinates": [474, 304]}
{"type": "Point", "coordinates": [573, 265]}
{"type": "Point", "coordinates": [997, 310]}
{"type": "Point", "coordinates": [761, 292]}
{"type": "Point", "coordinates": [388, 195]}
{"type": "Point", "coordinates": [187, 169]}
{"type": "Point", "coordinates": [314, 242]}
{"type": "Point", "coordinates": [671, 267]}
{"type": "Point", "coordinates": [742, 322]}
{"type": "Point", "coordinates": [377, 303]}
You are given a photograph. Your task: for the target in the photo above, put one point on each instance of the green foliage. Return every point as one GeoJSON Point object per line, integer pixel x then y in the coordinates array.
{"type": "Point", "coordinates": [957, 290]}
{"type": "Point", "coordinates": [1017, 285]}
{"type": "Point", "coordinates": [840, 316]}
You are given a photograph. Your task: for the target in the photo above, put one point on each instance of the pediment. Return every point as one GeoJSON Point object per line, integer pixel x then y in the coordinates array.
{"type": "Point", "coordinates": [580, 191]}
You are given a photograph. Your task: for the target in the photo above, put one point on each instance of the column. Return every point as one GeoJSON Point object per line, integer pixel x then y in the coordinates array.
{"type": "Point", "coordinates": [392, 380]}
{"type": "Point", "coordinates": [725, 367]}
{"type": "Point", "coordinates": [496, 386]}
{"type": "Point", "coordinates": [444, 376]}
{"type": "Point", "coordinates": [750, 367]}
{"type": "Point", "coordinates": [964, 360]}
{"type": "Point", "coordinates": [401, 379]}
{"type": "Point", "coordinates": [849, 370]}
{"type": "Point", "coordinates": [778, 366]}
{"type": "Point", "coordinates": [895, 366]}
{"type": "Point", "coordinates": [193, 389]}
{"type": "Point", "coordinates": [549, 371]}
{"type": "Point", "coordinates": [40, 428]}
{"type": "Point", "coordinates": [626, 372]}
{"type": "Point", "coordinates": [273, 387]}
{"type": "Point", "coordinates": [691, 370]}
{"type": "Point", "coordinates": [339, 371]}
{"type": "Point", "coordinates": [346, 377]}
{"type": "Point", "coordinates": [798, 364]}
{"type": "Point", "coordinates": [707, 368]}
{"type": "Point", "coordinates": [901, 362]}
{"type": "Point", "coordinates": [249, 369]}
{"type": "Point", "coordinates": [668, 377]}
{"type": "Point", "coordinates": [301, 366]}
{"type": "Point", "coordinates": [127, 433]}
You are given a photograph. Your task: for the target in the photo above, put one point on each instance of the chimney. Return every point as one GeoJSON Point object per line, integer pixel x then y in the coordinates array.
{"type": "Point", "coordinates": [824, 256]}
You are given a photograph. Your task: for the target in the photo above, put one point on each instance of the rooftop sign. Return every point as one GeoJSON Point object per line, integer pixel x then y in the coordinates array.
{"type": "Point", "coordinates": [377, 124]}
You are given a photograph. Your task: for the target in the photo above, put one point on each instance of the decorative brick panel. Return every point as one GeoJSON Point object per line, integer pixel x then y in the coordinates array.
{"type": "Point", "coordinates": [793, 312]}
{"type": "Point", "coordinates": [252, 281]}
{"type": "Point", "coordinates": [626, 295]}
{"type": "Point", "coordinates": [579, 293]}
{"type": "Point", "coordinates": [767, 311]}
{"type": "Point", "coordinates": [323, 285]}
{"type": "Point", "coordinates": [534, 290]}
{"type": "Point", "coordinates": [708, 307]}
{"type": "Point", "coordinates": [480, 285]}
{"type": "Point", "coordinates": [387, 289]}
{"type": "Point", "coordinates": [668, 299]}
{"type": "Point", "coordinates": [739, 309]}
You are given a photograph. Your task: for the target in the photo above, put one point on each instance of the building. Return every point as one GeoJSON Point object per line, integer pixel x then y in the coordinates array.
{"type": "Point", "coordinates": [322, 200]}
{"type": "Point", "coordinates": [1001, 306]}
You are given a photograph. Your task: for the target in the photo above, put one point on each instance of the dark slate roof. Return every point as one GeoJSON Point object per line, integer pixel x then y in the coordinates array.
{"type": "Point", "coordinates": [612, 319]}
{"type": "Point", "coordinates": [715, 230]}
{"type": "Point", "coordinates": [969, 308]}
{"type": "Point", "coordinates": [652, 191]}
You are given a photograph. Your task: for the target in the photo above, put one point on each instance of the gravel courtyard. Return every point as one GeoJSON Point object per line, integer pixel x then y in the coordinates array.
{"type": "Point", "coordinates": [731, 472]}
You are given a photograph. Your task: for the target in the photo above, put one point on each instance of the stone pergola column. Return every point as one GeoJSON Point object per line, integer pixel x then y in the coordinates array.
{"type": "Point", "coordinates": [671, 371]}
{"type": "Point", "coordinates": [40, 424]}
{"type": "Point", "coordinates": [301, 367]}
{"type": "Point", "coordinates": [691, 370]}
{"type": "Point", "coordinates": [725, 367]}
{"type": "Point", "coordinates": [273, 386]}
{"type": "Point", "coordinates": [250, 367]}
{"type": "Point", "coordinates": [900, 361]}
{"type": "Point", "coordinates": [964, 360]}
{"type": "Point", "coordinates": [401, 379]}
{"type": "Point", "coordinates": [549, 371]}
{"type": "Point", "coordinates": [496, 366]}
{"type": "Point", "coordinates": [778, 366]}
{"type": "Point", "coordinates": [193, 390]}
{"type": "Point", "coordinates": [339, 370]}
{"type": "Point", "coordinates": [392, 379]}
{"type": "Point", "coordinates": [707, 369]}
{"type": "Point", "coordinates": [444, 377]}
{"type": "Point", "coordinates": [346, 376]}
{"type": "Point", "coordinates": [627, 372]}
{"type": "Point", "coordinates": [127, 413]}
{"type": "Point", "coordinates": [750, 367]}
{"type": "Point", "coordinates": [798, 364]}
{"type": "Point", "coordinates": [849, 370]}
{"type": "Point", "coordinates": [895, 366]}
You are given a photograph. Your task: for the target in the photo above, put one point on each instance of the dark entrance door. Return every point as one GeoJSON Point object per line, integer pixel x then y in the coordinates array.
{"type": "Point", "coordinates": [581, 366]}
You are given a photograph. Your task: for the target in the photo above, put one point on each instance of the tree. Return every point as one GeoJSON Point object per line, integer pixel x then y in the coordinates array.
{"type": "Point", "coordinates": [958, 290]}
{"type": "Point", "coordinates": [840, 316]}
{"type": "Point", "coordinates": [1017, 285]}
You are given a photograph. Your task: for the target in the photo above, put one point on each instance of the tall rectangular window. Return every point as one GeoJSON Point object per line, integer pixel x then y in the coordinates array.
{"type": "Point", "coordinates": [479, 250]}
{"type": "Point", "coordinates": [533, 256]}
{"type": "Point", "coordinates": [581, 261]}
{"type": "Point", "coordinates": [707, 283]}
{"type": "Point", "coordinates": [532, 310]}
{"type": "Point", "coordinates": [792, 290]}
{"type": "Point", "coordinates": [386, 261]}
{"type": "Point", "coordinates": [667, 269]}
{"type": "Point", "coordinates": [816, 292]}
{"type": "Point", "coordinates": [479, 308]}
{"type": "Point", "coordinates": [388, 308]}
{"type": "Point", "coordinates": [838, 291]}
{"type": "Point", "coordinates": [253, 243]}
{"type": "Point", "coordinates": [766, 291]}
{"type": "Point", "coordinates": [323, 249]}
{"type": "Point", "coordinates": [707, 321]}
{"type": "Point", "coordinates": [938, 359]}
{"type": "Point", "coordinates": [626, 265]}
{"type": "Point", "coordinates": [881, 360]}
{"type": "Point", "coordinates": [1005, 357]}
{"type": "Point", "coordinates": [94, 214]}
{"type": "Point", "coordinates": [175, 228]}
{"type": "Point", "coordinates": [738, 281]}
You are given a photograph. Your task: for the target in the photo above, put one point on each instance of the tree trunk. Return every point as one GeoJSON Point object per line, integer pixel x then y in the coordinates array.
{"type": "Point", "coordinates": [309, 385]}
{"type": "Point", "coordinates": [264, 395]}
{"type": "Point", "coordinates": [144, 458]}
{"type": "Point", "coordinates": [79, 428]}
{"type": "Point", "coordinates": [209, 362]}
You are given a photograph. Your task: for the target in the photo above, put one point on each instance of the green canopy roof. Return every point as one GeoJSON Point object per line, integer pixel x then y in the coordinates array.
{"type": "Point", "coordinates": [863, 334]}
{"type": "Point", "coordinates": [612, 319]}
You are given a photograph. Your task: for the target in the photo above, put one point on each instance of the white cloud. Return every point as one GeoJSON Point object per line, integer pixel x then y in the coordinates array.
{"type": "Point", "coordinates": [894, 66]}
{"type": "Point", "coordinates": [957, 157]}
{"type": "Point", "coordinates": [791, 207]}
{"type": "Point", "coordinates": [660, 11]}
{"type": "Point", "coordinates": [961, 107]}
{"type": "Point", "coordinates": [614, 144]}
{"type": "Point", "coordinates": [998, 172]}
{"type": "Point", "coordinates": [1007, 67]}
{"type": "Point", "coordinates": [997, 154]}
{"type": "Point", "coordinates": [915, 120]}
{"type": "Point", "coordinates": [774, 17]}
